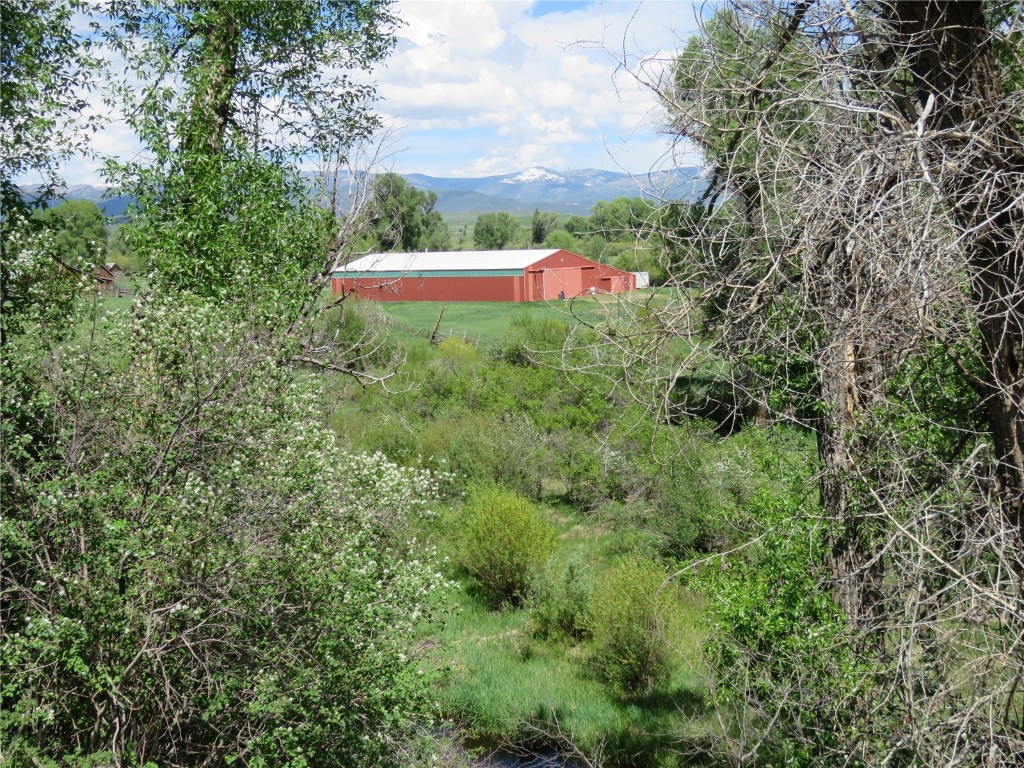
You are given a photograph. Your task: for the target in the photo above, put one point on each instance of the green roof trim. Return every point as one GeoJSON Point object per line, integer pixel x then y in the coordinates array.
{"type": "Point", "coordinates": [423, 275]}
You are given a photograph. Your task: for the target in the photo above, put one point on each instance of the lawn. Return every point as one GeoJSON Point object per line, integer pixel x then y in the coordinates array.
{"type": "Point", "coordinates": [484, 321]}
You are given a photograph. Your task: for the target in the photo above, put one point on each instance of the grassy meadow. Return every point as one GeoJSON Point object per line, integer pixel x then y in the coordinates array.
{"type": "Point", "coordinates": [483, 321]}
{"type": "Point", "coordinates": [613, 484]}
{"type": "Point", "coordinates": [505, 685]}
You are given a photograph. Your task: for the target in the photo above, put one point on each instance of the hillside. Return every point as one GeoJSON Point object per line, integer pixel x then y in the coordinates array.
{"type": "Point", "coordinates": [561, 191]}
{"type": "Point", "coordinates": [568, 192]}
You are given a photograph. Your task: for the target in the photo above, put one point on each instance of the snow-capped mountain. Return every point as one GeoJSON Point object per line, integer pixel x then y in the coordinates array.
{"type": "Point", "coordinates": [532, 175]}
{"type": "Point", "coordinates": [571, 191]}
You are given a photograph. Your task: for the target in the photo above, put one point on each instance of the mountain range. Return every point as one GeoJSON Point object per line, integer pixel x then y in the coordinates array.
{"type": "Point", "coordinates": [113, 206]}
{"type": "Point", "coordinates": [548, 190]}
{"type": "Point", "coordinates": [567, 192]}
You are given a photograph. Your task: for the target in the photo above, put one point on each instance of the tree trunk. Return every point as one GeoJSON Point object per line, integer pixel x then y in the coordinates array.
{"type": "Point", "coordinates": [854, 561]}
{"type": "Point", "coordinates": [211, 109]}
{"type": "Point", "coordinates": [976, 150]}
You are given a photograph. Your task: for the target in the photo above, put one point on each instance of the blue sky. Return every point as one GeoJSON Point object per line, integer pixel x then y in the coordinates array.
{"type": "Point", "coordinates": [481, 87]}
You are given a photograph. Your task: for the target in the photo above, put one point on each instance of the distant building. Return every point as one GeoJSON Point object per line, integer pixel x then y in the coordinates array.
{"type": "Point", "coordinates": [540, 275]}
{"type": "Point", "coordinates": [106, 278]}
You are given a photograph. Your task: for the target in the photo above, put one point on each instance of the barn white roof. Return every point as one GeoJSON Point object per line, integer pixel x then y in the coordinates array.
{"type": "Point", "coordinates": [444, 261]}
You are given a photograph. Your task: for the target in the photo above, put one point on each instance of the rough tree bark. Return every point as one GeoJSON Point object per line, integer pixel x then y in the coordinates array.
{"type": "Point", "coordinates": [211, 110]}
{"type": "Point", "coordinates": [978, 159]}
{"type": "Point", "coordinates": [869, 203]}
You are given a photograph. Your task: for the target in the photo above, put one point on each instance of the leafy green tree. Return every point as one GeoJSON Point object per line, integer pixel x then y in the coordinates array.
{"type": "Point", "coordinates": [596, 248]}
{"type": "Point", "coordinates": [193, 572]}
{"type": "Point", "coordinates": [119, 251]}
{"type": "Point", "coordinates": [542, 224]}
{"type": "Point", "coordinates": [622, 218]}
{"type": "Point", "coordinates": [79, 230]}
{"type": "Point", "coordinates": [46, 69]}
{"type": "Point", "coordinates": [761, 609]}
{"type": "Point", "coordinates": [404, 218]}
{"type": "Point", "coordinates": [560, 238]}
{"type": "Point", "coordinates": [230, 56]}
{"type": "Point", "coordinates": [577, 226]}
{"type": "Point", "coordinates": [242, 118]}
{"type": "Point", "coordinates": [493, 231]}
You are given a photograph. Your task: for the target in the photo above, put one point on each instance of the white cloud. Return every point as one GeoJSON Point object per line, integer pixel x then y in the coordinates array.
{"type": "Point", "coordinates": [523, 156]}
{"type": "Point", "coordinates": [535, 80]}
{"type": "Point", "coordinates": [492, 86]}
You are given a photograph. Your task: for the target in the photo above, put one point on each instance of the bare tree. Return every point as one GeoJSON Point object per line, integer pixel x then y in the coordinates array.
{"type": "Point", "coordinates": [858, 264]}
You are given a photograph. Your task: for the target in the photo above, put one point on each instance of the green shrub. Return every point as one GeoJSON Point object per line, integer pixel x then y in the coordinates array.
{"type": "Point", "coordinates": [213, 565]}
{"type": "Point", "coordinates": [522, 455]}
{"type": "Point", "coordinates": [455, 354]}
{"type": "Point", "coordinates": [630, 610]}
{"type": "Point", "coordinates": [484, 449]}
{"type": "Point", "coordinates": [504, 542]}
{"type": "Point", "coordinates": [469, 452]}
{"type": "Point", "coordinates": [387, 433]}
{"type": "Point", "coordinates": [527, 335]}
{"type": "Point", "coordinates": [578, 465]}
{"type": "Point", "coordinates": [561, 607]}
{"type": "Point", "coordinates": [780, 644]}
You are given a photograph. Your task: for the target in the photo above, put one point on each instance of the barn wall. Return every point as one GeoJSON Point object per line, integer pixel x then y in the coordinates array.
{"type": "Point", "coordinates": [575, 275]}
{"type": "Point", "coordinates": [612, 283]}
{"type": "Point", "coordinates": [410, 288]}
{"type": "Point", "coordinates": [561, 260]}
{"type": "Point", "coordinates": [568, 281]}
{"type": "Point", "coordinates": [548, 284]}
{"type": "Point", "coordinates": [609, 279]}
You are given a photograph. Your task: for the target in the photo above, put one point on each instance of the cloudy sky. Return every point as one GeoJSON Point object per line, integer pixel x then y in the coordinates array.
{"type": "Point", "coordinates": [482, 87]}
{"type": "Point", "coordinates": [478, 88]}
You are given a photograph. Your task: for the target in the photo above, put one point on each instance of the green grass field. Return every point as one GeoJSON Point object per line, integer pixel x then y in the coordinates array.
{"type": "Point", "coordinates": [507, 686]}
{"type": "Point", "coordinates": [485, 321]}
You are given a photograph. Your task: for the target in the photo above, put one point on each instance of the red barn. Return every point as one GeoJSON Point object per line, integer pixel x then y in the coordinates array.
{"type": "Point", "coordinates": [478, 276]}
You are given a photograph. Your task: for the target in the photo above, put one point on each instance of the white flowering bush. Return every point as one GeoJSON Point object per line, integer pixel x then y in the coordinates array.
{"type": "Point", "coordinates": [379, 487]}
{"type": "Point", "coordinates": [193, 572]}
{"type": "Point", "coordinates": [41, 284]}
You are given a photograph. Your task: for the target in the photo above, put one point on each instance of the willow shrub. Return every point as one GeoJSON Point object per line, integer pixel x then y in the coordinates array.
{"type": "Point", "coordinates": [561, 605]}
{"type": "Point", "coordinates": [780, 644]}
{"type": "Point", "coordinates": [630, 611]}
{"type": "Point", "coordinates": [194, 573]}
{"type": "Point", "coordinates": [504, 542]}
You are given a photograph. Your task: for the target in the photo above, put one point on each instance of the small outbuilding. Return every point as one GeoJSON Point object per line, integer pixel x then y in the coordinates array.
{"type": "Point", "coordinates": [106, 278]}
{"type": "Point", "coordinates": [528, 275]}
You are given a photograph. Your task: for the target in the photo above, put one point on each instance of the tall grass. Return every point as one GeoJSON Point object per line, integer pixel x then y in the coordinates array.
{"type": "Point", "coordinates": [506, 684]}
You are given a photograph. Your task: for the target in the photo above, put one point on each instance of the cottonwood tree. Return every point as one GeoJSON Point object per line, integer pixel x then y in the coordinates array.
{"type": "Point", "coordinates": [47, 71]}
{"type": "Point", "coordinates": [542, 224]}
{"type": "Point", "coordinates": [493, 231]}
{"type": "Point", "coordinates": [859, 265]}
{"type": "Point", "coordinates": [193, 573]}
{"type": "Point", "coordinates": [403, 217]}
{"type": "Point", "coordinates": [265, 88]}
{"type": "Point", "coordinates": [79, 228]}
